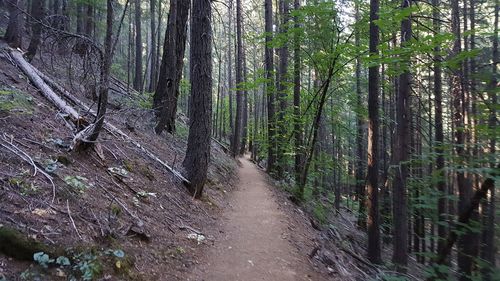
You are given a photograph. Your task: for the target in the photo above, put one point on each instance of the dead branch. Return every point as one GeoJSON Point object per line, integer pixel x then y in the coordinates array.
{"type": "Point", "coordinates": [109, 127]}
{"type": "Point", "coordinates": [46, 91]}
{"type": "Point", "coordinates": [24, 156]}
{"type": "Point", "coordinates": [463, 220]}
{"type": "Point", "coordinates": [72, 221]}
{"type": "Point", "coordinates": [183, 226]}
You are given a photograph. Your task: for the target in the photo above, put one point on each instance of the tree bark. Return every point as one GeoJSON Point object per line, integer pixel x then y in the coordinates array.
{"type": "Point", "coordinates": [89, 20]}
{"type": "Point", "coordinates": [37, 13]}
{"type": "Point", "coordinates": [138, 48]}
{"type": "Point", "coordinates": [297, 123]}
{"type": "Point", "coordinates": [489, 250]}
{"type": "Point", "coordinates": [105, 72]}
{"type": "Point", "coordinates": [239, 79]}
{"type": "Point", "coordinates": [360, 179]}
{"type": "Point", "coordinates": [244, 121]}
{"type": "Point", "coordinates": [439, 136]}
{"type": "Point", "coordinates": [13, 34]}
{"type": "Point", "coordinates": [282, 88]}
{"type": "Point", "coordinates": [167, 91]}
{"type": "Point", "coordinates": [465, 247]}
{"type": "Point", "coordinates": [230, 70]}
{"type": "Point", "coordinates": [198, 148]}
{"type": "Point", "coordinates": [373, 219]}
{"type": "Point", "coordinates": [79, 19]}
{"type": "Point", "coordinates": [402, 153]}
{"type": "Point", "coordinates": [269, 66]}
{"type": "Point", "coordinates": [153, 71]}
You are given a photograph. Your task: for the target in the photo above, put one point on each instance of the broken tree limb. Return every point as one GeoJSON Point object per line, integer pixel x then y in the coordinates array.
{"type": "Point", "coordinates": [46, 91]}
{"type": "Point", "coordinates": [224, 148]}
{"type": "Point", "coordinates": [463, 220]}
{"type": "Point", "coordinates": [23, 155]}
{"type": "Point", "coordinates": [108, 126]}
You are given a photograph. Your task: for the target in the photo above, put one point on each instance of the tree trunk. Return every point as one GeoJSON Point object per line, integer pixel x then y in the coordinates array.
{"type": "Point", "coordinates": [66, 20]}
{"type": "Point", "coordinates": [439, 136]}
{"type": "Point", "coordinates": [105, 72]}
{"type": "Point", "coordinates": [244, 121]}
{"type": "Point", "coordinates": [153, 71]}
{"type": "Point", "coordinates": [198, 147]}
{"type": "Point", "coordinates": [230, 70]}
{"type": "Point", "coordinates": [360, 179]}
{"type": "Point", "coordinates": [218, 104]}
{"type": "Point", "coordinates": [269, 65]}
{"type": "Point", "coordinates": [239, 79]}
{"type": "Point", "coordinates": [13, 34]}
{"type": "Point", "coordinates": [167, 91]}
{"type": "Point", "coordinates": [402, 151]}
{"type": "Point", "coordinates": [297, 123]}
{"type": "Point", "coordinates": [373, 220]}
{"type": "Point", "coordinates": [314, 134]}
{"type": "Point", "coordinates": [79, 19]}
{"type": "Point", "coordinates": [489, 250]}
{"type": "Point", "coordinates": [89, 20]}
{"type": "Point", "coordinates": [282, 88]}
{"type": "Point", "coordinates": [138, 48]}
{"type": "Point", "coordinates": [465, 247]}
{"type": "Point", "coordinates": [37, 8]}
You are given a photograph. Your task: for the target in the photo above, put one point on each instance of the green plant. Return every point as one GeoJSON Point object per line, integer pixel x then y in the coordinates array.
{"type": "Point", "coordinates": [16, 101]}
{"type": "Point", "coordinates": [25, 188]}
{"type": "Point", "coordinates": [320, 213]}
{"type": "Point", "coordinates": [78, 183]}
{"type": "Point", "coordinates": [28, 274]}
{"type": "Point", "coordinates": [42, 259]}
{"type": "Point", "coordinates": [88, 265]}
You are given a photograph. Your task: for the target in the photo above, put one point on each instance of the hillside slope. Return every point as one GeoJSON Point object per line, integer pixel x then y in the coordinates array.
{"type": "Point", "coordinates": [112, 211]}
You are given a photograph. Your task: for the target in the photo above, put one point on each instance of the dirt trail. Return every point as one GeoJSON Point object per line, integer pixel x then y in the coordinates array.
{"type": "Point", "coordinates": [254, 245]}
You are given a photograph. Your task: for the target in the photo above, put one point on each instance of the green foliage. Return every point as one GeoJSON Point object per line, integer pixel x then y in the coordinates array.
{"type": "Point", "coordinates": [88, 265]}
{"type": "Point", "coordinates": [78, 183]}
{"type": "Point", "coordinates": [320, 213]}
{"type": "Point", "coordinates": [146, 101]}
{"type": "Point", "coordinates": [17, 102]}
{"type": "Point", "coordinates": [26, 188]}
{"type": "Point", "coordinates": [181, 130]}
{"type": "Point", "coordinates": [42, 259]}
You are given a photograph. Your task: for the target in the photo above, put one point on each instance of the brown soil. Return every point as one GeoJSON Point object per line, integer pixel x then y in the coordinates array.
{"type": "Point", "coordinates": [110, 211]}
{"type": "Point", "coordinates": [254, 244]}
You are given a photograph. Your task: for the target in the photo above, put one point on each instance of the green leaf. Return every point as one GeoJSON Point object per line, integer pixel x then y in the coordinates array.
{"type": "Point", "coordinates": [62, 260]}
{"type": "Point", "coordinates": [119, 253]}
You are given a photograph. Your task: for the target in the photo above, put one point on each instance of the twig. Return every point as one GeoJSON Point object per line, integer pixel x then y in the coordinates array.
{"type": "Point", "coordinates": [110, 151]}
{"type": "Point", "coordinates": [23, 155]}
{"type": "Point", "coordinates": [112, 198]}
{"type": "Point", "coordinates": [183, 226]}
{"type": "Point", "coordinates": [98, 222]}
{"type": "Point", "coordinates": [38, 143]}
{"type": "Point", "coordinates": [72, 221]}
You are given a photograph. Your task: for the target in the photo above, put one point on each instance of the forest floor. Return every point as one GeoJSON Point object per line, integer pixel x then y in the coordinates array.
{"type": "Point", "coordinates": [119, 215]}
{"type": "Point", "coordinates": [254, 242]}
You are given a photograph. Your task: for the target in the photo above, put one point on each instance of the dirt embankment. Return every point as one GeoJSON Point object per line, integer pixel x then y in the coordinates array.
{"type": "Point", "coordinates": [111, 211]}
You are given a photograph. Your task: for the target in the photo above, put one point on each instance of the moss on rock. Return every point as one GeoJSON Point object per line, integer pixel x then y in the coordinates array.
{"type": "Point", "coordinates": [15, 244]}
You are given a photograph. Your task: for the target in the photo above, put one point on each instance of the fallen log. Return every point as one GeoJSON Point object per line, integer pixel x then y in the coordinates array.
{"type": "Point", "coordinates": [46, 91]}
{"type": "Point", "coordinates": [108, 126]}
